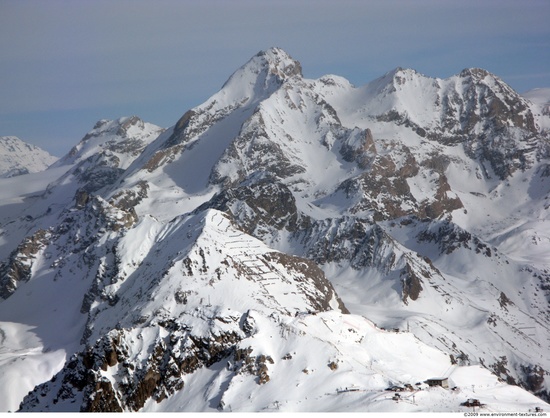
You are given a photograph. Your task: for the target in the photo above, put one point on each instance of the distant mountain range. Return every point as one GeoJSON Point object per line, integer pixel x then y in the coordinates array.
{"type": "Point", "coordinates": [289, 245]}
{"type": "Point", "coordinates": [18, 157]}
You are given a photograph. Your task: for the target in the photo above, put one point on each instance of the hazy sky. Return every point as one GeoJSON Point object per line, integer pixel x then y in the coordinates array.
{"type": "Point", "coordinates": [66, 64]}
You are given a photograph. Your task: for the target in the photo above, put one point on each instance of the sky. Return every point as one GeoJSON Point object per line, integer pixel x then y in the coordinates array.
{"type": "Point", "coordinates": [66, 64]}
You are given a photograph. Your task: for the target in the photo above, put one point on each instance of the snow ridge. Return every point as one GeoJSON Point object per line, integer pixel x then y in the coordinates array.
{"type": "Point", "coordinates": [214, 265]}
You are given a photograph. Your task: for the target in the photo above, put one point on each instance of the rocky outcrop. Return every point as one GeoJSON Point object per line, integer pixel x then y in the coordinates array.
{"type": "Point", "coordinates": [476, 109]}
{"type": "Point", "coordinates": [222, 277]}
{"type": "Point", "coordinates": [451, 237]}
{"type": "Point", "coordinates": [114, 374]}
{"type": "Point", "coordinates": [258, 206]}
{"type": "Point", "coordinates": [359, 147]}
{"type": "Point", "coordinates": [322, 293]}
{"type": "Point", "coordinates": [18, 268]}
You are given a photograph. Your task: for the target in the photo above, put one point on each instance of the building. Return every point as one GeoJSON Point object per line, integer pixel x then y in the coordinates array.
{"type": "Point", "coordinates": [438, 381]}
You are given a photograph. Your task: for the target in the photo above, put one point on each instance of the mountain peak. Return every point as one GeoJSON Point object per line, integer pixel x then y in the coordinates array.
{"type": "Point", "coordinates": [18, 157]}
{"type": "Point", "coordinates": [280, 62]}
{"type": "Point", "coordinates": [253, 82]}
{"type": "Point", "coordinates": [393, 80]}
{"type": "Point", "coordinates": [121, 127]}
{"type": "Point", "coordinates": [476, 73]}
{"type": "Point", "coordinates": [398, 72]}
{"type": "Point", "coordinates": [125, 135]}
{"type": "Point", "coordinates": [403, 71]}
{"type": "Point", "coordinates": [192, 270]}
{"type": "Point", "coordinates": [264, 73]}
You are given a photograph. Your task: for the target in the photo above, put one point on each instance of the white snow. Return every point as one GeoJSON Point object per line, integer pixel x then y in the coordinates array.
{"type": "Point", "coordinates": [18, 157]}
{"type": "Point", "coordinates": [326, 361]}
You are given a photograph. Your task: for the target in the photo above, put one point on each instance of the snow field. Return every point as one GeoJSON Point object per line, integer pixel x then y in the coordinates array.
{"type": "Point", "coordinates": [203, 273]}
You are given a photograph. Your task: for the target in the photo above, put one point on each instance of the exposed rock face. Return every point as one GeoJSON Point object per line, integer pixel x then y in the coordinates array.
{"type": "Point", "coordinates": [322, 293]}
{"type": "Point", "coordinates": [493, 123]}
{"type": "Point", "coordinates": [253, 152]}
{"type": "Point", "coordinates": [303, 185]}
{"type": "Point", "coordinates": [534, 380]}
{"type": "Point", "coordinates": [258, 207]}
{"type": "Point", "coordinates": [412, 284]}
{"type": "Point", "coordinates": [181, 347]}
{"type": "Point", "coordinates": [98, 171]}
{"type": "Point", "coordinates": [359, 148]}
{"type": "Point", "coordinates": [17, 268]}
{"type": "Point", "coordinates": [79, 230]}
{"type": "Point", "coordinates": [242, 92]}
{"type": "Point", "coordinates": [449, 237]}
{"type": "Point", "coordinates": [127, 199]}
{"type": "Point", "coordinates": [161, 375]}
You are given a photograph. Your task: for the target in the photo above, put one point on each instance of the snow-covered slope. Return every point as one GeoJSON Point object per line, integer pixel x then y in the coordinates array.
{"type": "Point", "coordinates": [214, 265]}
{"type": "Point", "coordinates": [37, 201]}
{"type": "Point", "coordinates": [18, 157]}
{"type": "Point", "coordinates": [541, 99]}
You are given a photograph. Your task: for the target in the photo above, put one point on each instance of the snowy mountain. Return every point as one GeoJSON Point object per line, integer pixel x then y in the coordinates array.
{"type": "Point", "coordinates": [288, 233]}
{"type": "Point", "coordinates": [541, 100]}
{"type": "Point", "coordinates": [18, 157]}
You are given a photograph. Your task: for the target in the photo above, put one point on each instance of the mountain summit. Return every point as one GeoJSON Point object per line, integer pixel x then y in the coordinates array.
{"type": "Point", "coordinates": [289, 245]}
{"type": "Point", "coordinates": [264, 73]}
{"type": "Point", "coordinates": [18, 157]}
